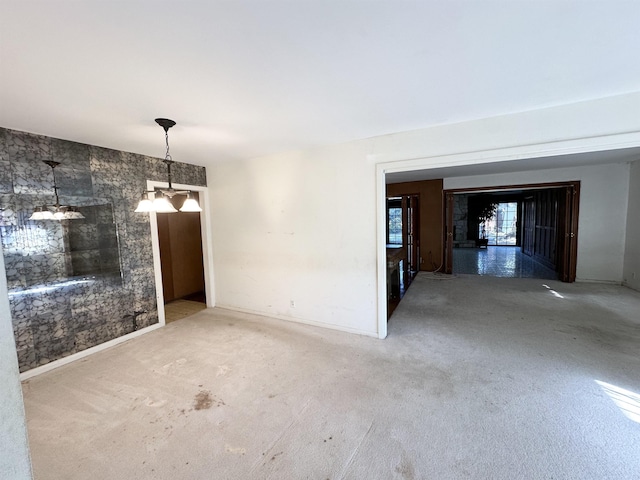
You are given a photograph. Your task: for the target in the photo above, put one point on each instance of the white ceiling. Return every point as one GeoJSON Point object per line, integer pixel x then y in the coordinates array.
{"type": "Point", "coordinates": [250, 78]}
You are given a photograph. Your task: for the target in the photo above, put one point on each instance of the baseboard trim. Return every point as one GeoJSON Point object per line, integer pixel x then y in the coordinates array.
{"type": "Point", "coordinates": [286, 318]}
{"type": "Point", "coordinates": [85, 353]}
{"type": "Point", "coordinates": [605, 282]}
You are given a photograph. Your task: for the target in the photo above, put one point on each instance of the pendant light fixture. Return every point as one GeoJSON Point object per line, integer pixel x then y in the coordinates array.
{"type": "Point", "coordinates": [55, 211]}
{"type": "Point", "coordinates": [161, 196]}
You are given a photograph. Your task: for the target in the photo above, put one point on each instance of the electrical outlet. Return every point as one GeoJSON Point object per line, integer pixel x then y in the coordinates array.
{"type": "Point", "coordinates": [293, 304]}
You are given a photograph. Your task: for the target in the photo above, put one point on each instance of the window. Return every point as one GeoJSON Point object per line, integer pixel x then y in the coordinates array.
{"type": "Point", "coordinates": [501, 229]}
{"type": "Point", "coordinates": [394, 218]}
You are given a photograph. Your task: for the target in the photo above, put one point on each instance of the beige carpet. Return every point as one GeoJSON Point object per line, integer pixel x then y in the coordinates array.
{"type": "Point", "coordinates": [480, 378]}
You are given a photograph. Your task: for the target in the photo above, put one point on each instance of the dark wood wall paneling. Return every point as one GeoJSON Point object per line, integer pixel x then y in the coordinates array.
{"type": "Point", "coordinates": [528, 224]}
{"type": "Point", "coordinates": [547, 206]}
{"type": "Point", "coordinates": [180, 240]}
{"type": "Point", "coordinates": [431, 221]}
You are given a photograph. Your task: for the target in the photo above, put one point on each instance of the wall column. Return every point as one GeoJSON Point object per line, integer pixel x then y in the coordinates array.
{"type": "Point", "coordinates": [15, 462]}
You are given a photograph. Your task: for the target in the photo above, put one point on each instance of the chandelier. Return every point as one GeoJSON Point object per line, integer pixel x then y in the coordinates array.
{"type": "Point", "coordinates": [55, 211]}
{"type": "Point", "coordinates": [161, 196]}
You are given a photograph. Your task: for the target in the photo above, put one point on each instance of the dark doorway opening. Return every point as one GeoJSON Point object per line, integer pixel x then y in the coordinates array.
{"type": "Point", "coordinates": [403, 246]}
{"type": "Point", "coordinates": [180, 243]}
{"type": "Point", "coordinates": [540, 220]}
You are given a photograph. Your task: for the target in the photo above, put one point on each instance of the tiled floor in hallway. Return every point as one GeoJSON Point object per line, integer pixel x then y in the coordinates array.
{"type": "Point", "coordinates": [499, 262]}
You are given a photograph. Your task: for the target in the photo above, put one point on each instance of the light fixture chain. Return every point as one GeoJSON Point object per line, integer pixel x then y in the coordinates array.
{"type": "Point", "coordinates": [161, 203]}
{"type": "Point", "coordinates": [167, 155]}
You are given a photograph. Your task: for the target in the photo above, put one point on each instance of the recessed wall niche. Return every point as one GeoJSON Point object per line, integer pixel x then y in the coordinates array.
{"type": "Point", "coordinates": [74, 284]}
{"type": "Point", "coordinates": [41, 252]}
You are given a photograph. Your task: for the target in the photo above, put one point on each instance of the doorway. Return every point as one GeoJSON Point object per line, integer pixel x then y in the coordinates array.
{"type": "Point", "coordinates": [180, 243]}
{"type": "Point", "coordinates": [540, 220]}
{"type": "Point", "coordinates": [183, 272]}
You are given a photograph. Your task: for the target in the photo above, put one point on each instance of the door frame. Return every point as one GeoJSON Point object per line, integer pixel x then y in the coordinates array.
{"type": "Point", "coordinates": [207, 246]}
{"type": "Point", "coordinates": [566, 265]}
{"type": "Point", "coordinates": [412, 160]}
{"type": "Point", "coordinates": [410, 205]}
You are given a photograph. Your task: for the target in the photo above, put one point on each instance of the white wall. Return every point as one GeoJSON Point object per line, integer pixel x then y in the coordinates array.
{"type": "Point", "coordinates": [308, 226]}
{"type": "Point", "coordinates": [632, 245]}
{"type": "Point", "coordinates": [604, 190]}
{"type": "Point", "coordinates": [14, 450]}
{"type": "Point", "coordinates": [298, 227]}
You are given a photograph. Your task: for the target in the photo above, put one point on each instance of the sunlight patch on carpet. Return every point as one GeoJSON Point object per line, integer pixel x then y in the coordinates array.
{"type": "Point", "coordinates": [625, 400]}
{"type": "Point", "coordinates": [553, 292]}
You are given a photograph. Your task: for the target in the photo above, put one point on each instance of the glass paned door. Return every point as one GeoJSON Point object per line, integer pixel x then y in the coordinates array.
{"type": "Point", "coordinates": [501, 229]}
{"type": "Point", "coordinates": [394, 227]}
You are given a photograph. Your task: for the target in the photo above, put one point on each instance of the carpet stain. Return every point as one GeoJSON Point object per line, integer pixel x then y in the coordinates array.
{"type": "Point", "coordinates": [432, 380]}
{"type": "Point", "coordinates": [149, 402]}
{"type": "Point", "coordinates": [204, 400]}
{"type": "Point", "coordinates": [165, 369]}
{"type": "Point", "coordinates": [605, 338]}
{"type": "Point", "coordinates": [236, 450]}
{"type": "Point", "coordinates": [406, 468]}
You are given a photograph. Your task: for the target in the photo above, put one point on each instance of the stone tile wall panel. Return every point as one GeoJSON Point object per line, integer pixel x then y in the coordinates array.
{"type": "Point", "coordinates": [55, 311]}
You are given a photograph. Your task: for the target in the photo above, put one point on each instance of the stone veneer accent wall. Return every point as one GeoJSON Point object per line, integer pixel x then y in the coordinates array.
{"type": "Point", "coordinates": [55, 311]}
{"type": "Point", "coordinates": [460, 220]}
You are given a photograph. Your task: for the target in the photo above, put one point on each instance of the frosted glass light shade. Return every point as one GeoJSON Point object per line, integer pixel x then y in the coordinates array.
{"type": "Point", "coordinates": [162, 205]}
{"type": "Point", "coordinates": [73, 214]}
{"type": "Point", "coordinates": [61, 212]}
{"type": "Point", "coordinates": [190, 205]}
{"type": "Point", "coordinates": [41, 213]}
{"type": "Point", "coordinates": [144, 206]}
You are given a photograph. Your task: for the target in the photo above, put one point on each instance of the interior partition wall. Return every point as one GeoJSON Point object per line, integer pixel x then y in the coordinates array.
{"type": "Point", "coordinates": [76, 284]}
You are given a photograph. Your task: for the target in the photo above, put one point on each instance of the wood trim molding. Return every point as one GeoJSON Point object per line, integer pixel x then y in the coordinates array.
{"type": "Point", "coordinates": [524, 186]}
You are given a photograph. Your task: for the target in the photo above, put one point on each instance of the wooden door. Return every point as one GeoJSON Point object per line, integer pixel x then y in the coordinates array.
{"type": "Point", "coordinates": [528, 224]}
{"type": "Point", "coordinates": [568, 238]}
{"type": "Point", "coordinates": [448, 234]}
{"type": "Point", "coordinates": [547, 227]}
{"type": "Point", "coordinates": [405, 237]}
{"type": "Point", "coordinates": [180, 242]}
{"type": "Point", "coordinates": [413, 234]}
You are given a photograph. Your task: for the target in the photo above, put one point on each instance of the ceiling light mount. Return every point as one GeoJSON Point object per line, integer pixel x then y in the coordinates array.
{"type": "Point", "coordinates": [161, 196]}
{"type": "Point", "coordinates": [165, 123]}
